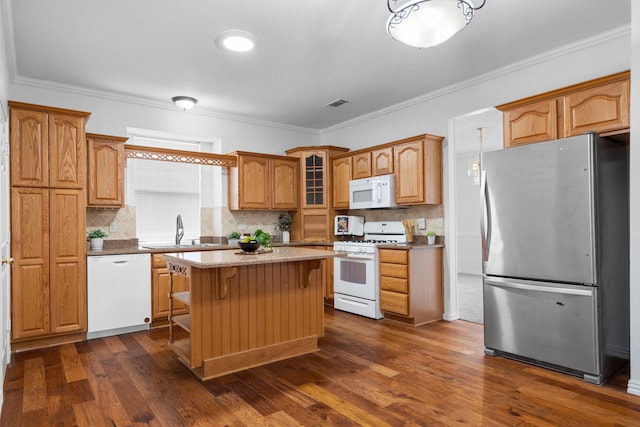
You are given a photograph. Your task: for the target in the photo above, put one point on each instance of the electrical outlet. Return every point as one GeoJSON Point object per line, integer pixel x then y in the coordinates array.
{"type": "Point", "coordinates": [112, 226]}
{"type": "Point", "coordinates": [242, 226]}
{"type": "Point", "coordinates": [421, 224]}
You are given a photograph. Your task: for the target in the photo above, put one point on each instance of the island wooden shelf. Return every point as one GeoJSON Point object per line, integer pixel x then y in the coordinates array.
{"type": "Point", "coordinates": [246, 311]}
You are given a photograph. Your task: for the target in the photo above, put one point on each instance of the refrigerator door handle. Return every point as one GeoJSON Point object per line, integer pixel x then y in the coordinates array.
{"type": "Point", "coordinates": [503, 283]}
{"type": "Point", "coordinates": [485, 217]}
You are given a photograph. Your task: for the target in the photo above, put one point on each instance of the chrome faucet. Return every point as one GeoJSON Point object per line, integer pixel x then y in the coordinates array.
{"type": "Point", "coordinates": [179, 229]}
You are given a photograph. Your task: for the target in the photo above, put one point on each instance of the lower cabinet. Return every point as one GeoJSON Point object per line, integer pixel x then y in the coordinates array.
{"type": "Point", "coordinates": [160, 291]}
{"type": "Point", "coordinates": [48, 285]}
{"type": "Point", "coordinates": [411, 288]}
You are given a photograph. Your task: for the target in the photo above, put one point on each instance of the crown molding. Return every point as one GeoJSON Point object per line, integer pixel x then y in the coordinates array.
{"type": "Point", "coordinates": [61, 87]}
{"type": "Point", "coordinates": [616, 33]}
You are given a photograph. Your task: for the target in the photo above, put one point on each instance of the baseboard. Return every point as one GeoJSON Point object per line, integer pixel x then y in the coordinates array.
{"type": "Point", "coordinates": [450, 317]}
{"type": "Point", "coordinates": [633, 387]}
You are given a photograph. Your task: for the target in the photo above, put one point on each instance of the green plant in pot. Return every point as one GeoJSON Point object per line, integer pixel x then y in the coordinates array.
{"type": "Point", "coordinates": [264, 238]}
{"type": "Point", "coordinates": [284, 224]}
{"type": "Point", "coordinates": [233, 238]}
{"type": "Point", "coordinates": [96, 239]}
{"type": "Point", "coordinates": [431, 237]}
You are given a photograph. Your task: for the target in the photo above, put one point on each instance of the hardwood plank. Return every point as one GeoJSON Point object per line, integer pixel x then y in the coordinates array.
{"type": "Point", "coordinates": [73, 370]}
{"type": "Point", "coordinates": [366, 372]}
{"type": "Point", "coordinates": [35, 387]}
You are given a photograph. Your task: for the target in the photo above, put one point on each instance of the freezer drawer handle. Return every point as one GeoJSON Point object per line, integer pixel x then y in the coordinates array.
{"type": "Point", "coordinates": [552, 290]}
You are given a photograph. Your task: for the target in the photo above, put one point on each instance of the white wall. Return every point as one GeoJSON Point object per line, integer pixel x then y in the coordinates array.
{"type": "Point", "coordinates": [111, 116]}
{"type": "Point", "coordinates": [634, 381]}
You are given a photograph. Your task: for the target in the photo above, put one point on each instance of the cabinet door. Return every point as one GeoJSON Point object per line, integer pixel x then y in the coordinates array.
{"type": "Point", "coordinates": [600, 109]}
{"type": "Point", "coordinates": [30, 271]}
{"type": "Point", "coordinates": [68, 298]}
{"type": "Point", "coordinates": [316, 225]}
{"type": "Point", "coordinates": [29, 148]}
{"type": "Point", "coordinates": [284, 194]}
{"type": "Point", "coordinates": [105, 172]}
{"type": "Point", "coordinates": [67, 151]}
{"type": "Point", "coordinates": [254, 182]}
{"type": "Point", "coordinates": [382, 161]}
{"type": "Point", "coordinates": [409, 167]}
{"type": "Point", "coordinates": [361, 164]}
{"type": "Point", "coordinates": [341, 176]}
{"type": "Point", "coordinates": [314, 176]}
{"type": "Point", "coordinates": [534, 122]}
{"type": "Point", "coordinates": [160, 294]}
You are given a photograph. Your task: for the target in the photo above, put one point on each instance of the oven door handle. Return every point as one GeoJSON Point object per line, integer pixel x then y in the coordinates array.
{"type": "Point", "coordinates": [360, 256]}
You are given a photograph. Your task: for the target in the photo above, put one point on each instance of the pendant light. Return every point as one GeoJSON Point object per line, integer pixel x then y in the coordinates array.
{"type": "Point", "coordinates": [426, 23]}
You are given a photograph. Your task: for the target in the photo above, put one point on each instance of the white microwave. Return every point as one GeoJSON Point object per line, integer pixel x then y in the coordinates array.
{"type": "Point", "coordinates": [348, 225]}
{"type": "Point", "coordinates": [372, 193]}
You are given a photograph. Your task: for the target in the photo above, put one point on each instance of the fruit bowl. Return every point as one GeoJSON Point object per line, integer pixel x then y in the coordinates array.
{"type": "Point", "coordinates": [250, 246]}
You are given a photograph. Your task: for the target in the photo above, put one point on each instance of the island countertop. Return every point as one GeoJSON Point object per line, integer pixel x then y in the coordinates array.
{"type": "Point", "coordinates": [232, 257]}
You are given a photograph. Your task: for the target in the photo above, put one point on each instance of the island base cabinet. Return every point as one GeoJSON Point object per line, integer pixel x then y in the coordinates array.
{"type": "Point", "coordinates": [246, 316]}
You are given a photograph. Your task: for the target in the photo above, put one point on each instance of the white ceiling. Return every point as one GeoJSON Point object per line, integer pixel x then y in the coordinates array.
{"type": "Point", "coordinates": [309, 52]}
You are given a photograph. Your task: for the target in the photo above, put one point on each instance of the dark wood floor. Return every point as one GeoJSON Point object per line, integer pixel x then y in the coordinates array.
{"type": "Point", "coordinates": [367, 372]}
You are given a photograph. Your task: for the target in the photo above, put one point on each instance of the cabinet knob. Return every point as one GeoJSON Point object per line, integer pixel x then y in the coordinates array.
{"type": "Point", "coordinates": [7, 261]}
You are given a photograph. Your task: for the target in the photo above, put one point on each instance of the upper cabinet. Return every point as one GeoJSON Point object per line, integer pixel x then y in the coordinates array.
{"type": "Point", "coordinates": [341, 177]}
{"type": "Point", "coordinates": [600, 105]}
{"type": "Point", "coordinates": [48, 148]}
{"type": "Point", "coordinates": [382, 161]}
{"type": "Point", "coordinates": [416, 163]}
{"type": "Point", "coordinates": [262, 181]}
{"type": "Point", "coordinates": [361, 164]}
{"type": "Point", "coordinates": [105, 171]}
{"type": "Point", "coordinates": [418, 170]}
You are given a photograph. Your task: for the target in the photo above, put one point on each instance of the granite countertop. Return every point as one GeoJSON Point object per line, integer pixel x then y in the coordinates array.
{"type": "Point", "coordinates": [233, 257]}
{"type": "Point", "coordinates": [138, 249]}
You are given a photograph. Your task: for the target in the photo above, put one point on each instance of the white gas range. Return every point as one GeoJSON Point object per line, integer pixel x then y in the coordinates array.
{"type": "Point", "coordinates": [356, 283]}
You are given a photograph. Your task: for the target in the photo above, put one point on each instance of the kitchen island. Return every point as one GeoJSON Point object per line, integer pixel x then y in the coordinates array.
{"type": "Point", "coordinates": [247, 310]}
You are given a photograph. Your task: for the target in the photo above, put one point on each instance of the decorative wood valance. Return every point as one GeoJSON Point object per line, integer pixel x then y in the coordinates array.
{"type": "Point", "coordinates": [178, 156]}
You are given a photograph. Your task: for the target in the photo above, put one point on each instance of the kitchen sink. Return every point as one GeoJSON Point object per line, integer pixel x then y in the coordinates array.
{"type": "Point", "coordinates": [174, 246]}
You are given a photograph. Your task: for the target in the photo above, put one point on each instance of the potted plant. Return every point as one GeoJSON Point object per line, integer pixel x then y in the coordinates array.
{"type": "Point", "coordinates": [233, 238]}
{"type": "Point", "coordinates": [96, 239]}
{"type": "Point", "coordinates": [431, 237]}
{"type": "Point", "coordinates": [264, 238]}
{"type": "Point", "coordinates": [284, 224]}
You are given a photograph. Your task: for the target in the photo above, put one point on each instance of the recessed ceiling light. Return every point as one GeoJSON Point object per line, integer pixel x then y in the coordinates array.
{"type": "Point", "coordinates": [236, 41]}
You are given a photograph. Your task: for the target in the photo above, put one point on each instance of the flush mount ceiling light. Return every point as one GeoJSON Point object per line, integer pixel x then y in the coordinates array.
{"type": "Point", "coordinates": [426, 23]}
{"type": "Point", "coordinates": [236, 41]}
{"type": "Point", "coordinates": [184, 102]}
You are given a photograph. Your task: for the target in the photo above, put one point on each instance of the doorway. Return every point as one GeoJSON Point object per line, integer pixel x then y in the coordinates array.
{"type": "Point", "coordinates": [466, 145]}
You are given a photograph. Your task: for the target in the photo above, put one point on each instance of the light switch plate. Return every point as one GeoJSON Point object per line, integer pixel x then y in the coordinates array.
{"type": "Point", "coordinates": [421, 224]}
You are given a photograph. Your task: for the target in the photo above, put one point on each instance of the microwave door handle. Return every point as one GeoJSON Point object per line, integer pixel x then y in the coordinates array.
{"type": "Point", "coordinates": [378, 193]}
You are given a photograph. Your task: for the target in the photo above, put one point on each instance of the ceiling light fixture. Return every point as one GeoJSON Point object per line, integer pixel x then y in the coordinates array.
{"type": "Point", "coordinates": [426, 23]}
{"type": "Point", "coordinates": [236, 41]}
{"type": "Point", "coordinates": [184, 102]}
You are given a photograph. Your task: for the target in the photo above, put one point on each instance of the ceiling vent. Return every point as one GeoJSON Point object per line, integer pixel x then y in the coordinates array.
{"type": "Point", "coordinates": [337, 103]}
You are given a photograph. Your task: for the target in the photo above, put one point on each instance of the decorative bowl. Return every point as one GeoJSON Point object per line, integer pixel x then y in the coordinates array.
{"type": "Point", "coordinates": [250, 246]}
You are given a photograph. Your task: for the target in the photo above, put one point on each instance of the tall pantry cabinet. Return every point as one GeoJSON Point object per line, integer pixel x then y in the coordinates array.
{"type": "Point", "coordinates": [48, 223]}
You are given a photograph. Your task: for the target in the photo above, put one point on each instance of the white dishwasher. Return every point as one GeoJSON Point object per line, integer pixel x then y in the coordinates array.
{"type": "Point", "coordinates": [118, 294]}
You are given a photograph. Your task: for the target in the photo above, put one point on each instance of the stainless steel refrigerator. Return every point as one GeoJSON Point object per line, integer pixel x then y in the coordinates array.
{"type": "Point", "coordinates": [555, 235]}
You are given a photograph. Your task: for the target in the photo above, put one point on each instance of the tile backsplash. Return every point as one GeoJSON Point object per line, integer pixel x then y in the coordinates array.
{"type": "Point", "coordinates": [220, 221]}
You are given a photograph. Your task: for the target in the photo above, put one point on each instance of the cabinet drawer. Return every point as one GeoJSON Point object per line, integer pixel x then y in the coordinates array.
{"type": "Point", "coordinates": [394, 256]}
{"type": "Point", "coordinates": [158, 261]}
{"type": "Point", "coordinates": [394, 302]}
{"type": "Point", "coordinates": [393, 270]}
{"type": "Point", "coordinates": [394, 284]}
